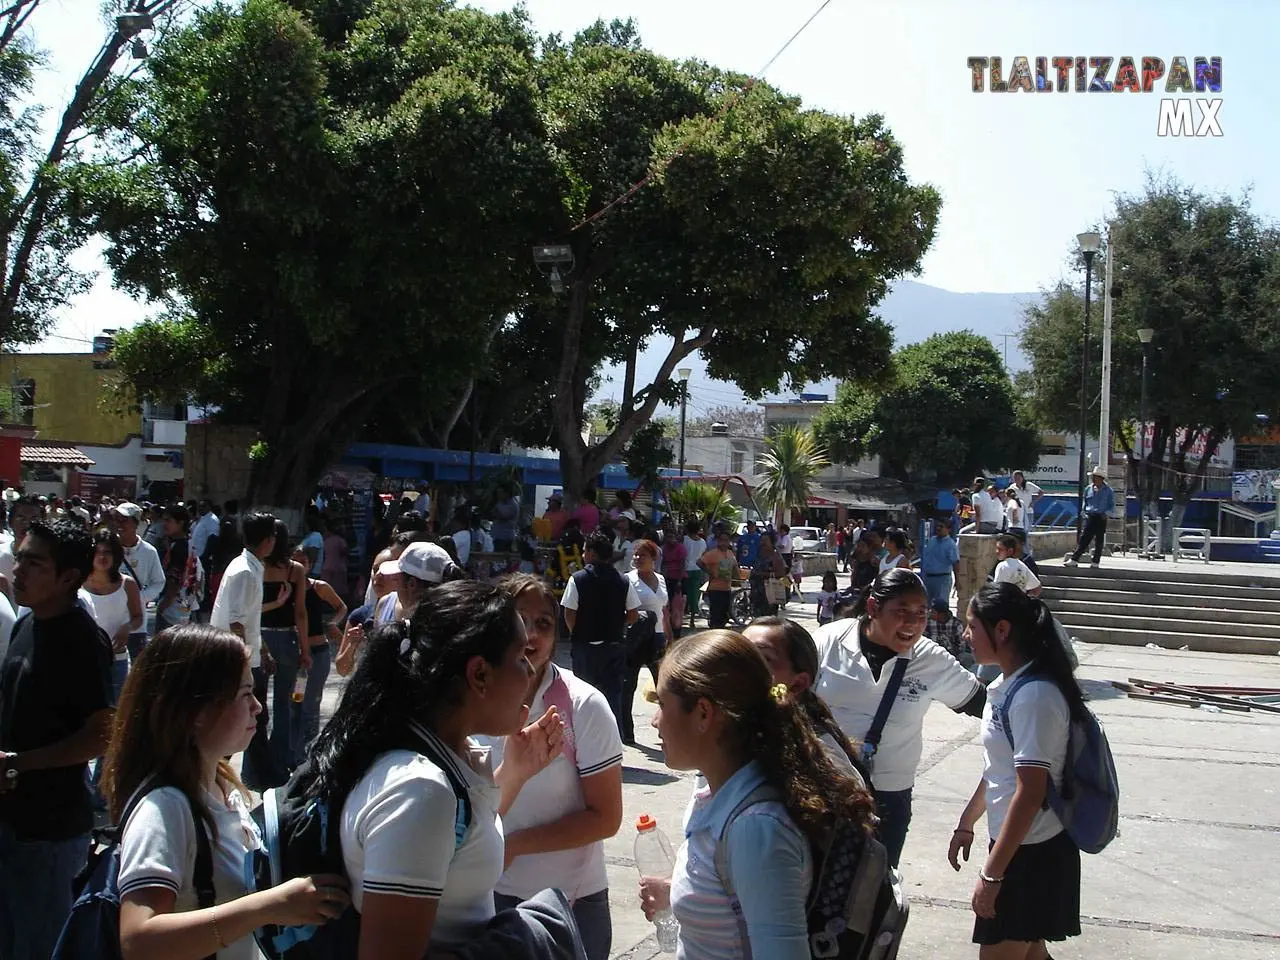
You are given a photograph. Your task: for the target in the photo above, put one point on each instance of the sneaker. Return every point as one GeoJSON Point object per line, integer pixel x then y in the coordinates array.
{"type": "Point", "coordinates": [1069, 562]}
{"type": "Point", "coordinates": [1095, 565]}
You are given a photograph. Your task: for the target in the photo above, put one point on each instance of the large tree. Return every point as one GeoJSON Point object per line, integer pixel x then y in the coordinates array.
{"type": "Point", "coordinates": [945, 411]}
{"type": "Point", "coordinates": [1203, 272]}
{"type": "Point", "coordinates": [339, 204]}
{"type": "Point", "coordinates": [763, 237]}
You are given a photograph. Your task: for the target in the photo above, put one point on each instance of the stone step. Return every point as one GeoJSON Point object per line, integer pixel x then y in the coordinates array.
{"type": "Point", "coordinates": [1219, 613]}
{"type": "Point", "coordinates": [1140, 619]}
{"type": "Point", "coordinates": [1103, 580]}
{"type": "Point", "coordinates": [1201, 642]}
{"type": "Point", "coordinates": [1166, 571]}
{"type": "Point", "coordinates": [1245, 601]}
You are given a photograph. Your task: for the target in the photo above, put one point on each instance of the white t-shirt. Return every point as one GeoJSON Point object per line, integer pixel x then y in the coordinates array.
{"type": "Point", "coordinates": [1016, 572]}
{"type": "Point", "coordinates": [989, 508]}
{"type": "Point", "coordinates": [1028, 492]}
{"type": "Point", "coordinates": [1013, 513]}
{"type": "Point", "coordinates": [627, 549]}
{"type": "Point", "coordinates": [158, 849]}
{"type": "Point", "coordinates": [1039, 721]}
{"type": "Point", "coordinates": [784, 543]}
{"type": "Point", "coordinates": [693, 549]}
{"type": "Point", "coordinates": [846, 683]}
{"type": "Point", "coordinates": [397, 837]}
{"type": "Point", "coordinates": [655, 601]}
{"type": "Point", "coordinates": [8, 617]}
{"type": "Point", "coordinates": [462, 543]}
{"type": "Point", "coordinates": [557, 792]}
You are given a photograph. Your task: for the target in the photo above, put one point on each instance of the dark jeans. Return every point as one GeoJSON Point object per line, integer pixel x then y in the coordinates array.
{"type": "Point", "coordinates": [595, 926]}
{"type": "Point", "coordinates": [986, 526]}
{"type": "Point", "coordinates": [718, 603]}
{"type": "Point", "coordinates": [894, 807]}
{"type": "Point", "coordinates": [137, 643]}
{"type": "Point", "coordinates": [304, 722]}
{"type": "Point", "coordinates": [35, 891]}
{"type": "Point", "coordinates": [119, 670]}
{"type": "Point", "coordinates": [644, 649]}
{"type": "Point", "coordinates": [603, 665]}
{"type": "Point", "coordinates": [1095, 530]}
{"type": "Point", "coordinates": [258, 770]}
{"type": "Point", "coordinates": [283, 645]}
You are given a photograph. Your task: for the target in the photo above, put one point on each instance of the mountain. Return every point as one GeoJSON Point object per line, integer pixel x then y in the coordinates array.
{"type": "Point", "coordinates": [914, 310]}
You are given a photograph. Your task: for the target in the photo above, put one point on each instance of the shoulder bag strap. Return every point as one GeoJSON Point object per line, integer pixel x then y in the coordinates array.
{"type": "Point", "coordinates": [1018, 684]}
{"type": "Point", "coordinates": [462, 816]}
{"type": "Point", "coordinates": [871, 742]}
{"type": "Point", "coordinates": [558, 696]}
{"type": "Point", "coordinates": [761, 794]}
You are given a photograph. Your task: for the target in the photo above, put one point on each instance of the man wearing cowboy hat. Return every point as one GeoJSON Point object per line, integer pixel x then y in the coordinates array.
{"type": "Point", "coordinates": [1099, 501]}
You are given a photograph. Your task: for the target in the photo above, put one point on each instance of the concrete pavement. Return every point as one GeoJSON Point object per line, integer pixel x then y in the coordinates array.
{"type": "Point", "coordinates": [1192, 875]}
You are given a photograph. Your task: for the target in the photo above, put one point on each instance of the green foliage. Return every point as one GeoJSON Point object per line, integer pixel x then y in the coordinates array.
{"type": "Point", "coordinates": [695, 500]}
{"type": "Point", "coordinates": [791, 461]}
{"type": "Point", "coordinates": [1204, 273]}
{"type": "Point", "coordinates": [259, 451]}
{"type": "Point", "coordinates": [647, 453]}
{"type": "Point", "coordinates": [947, 411]}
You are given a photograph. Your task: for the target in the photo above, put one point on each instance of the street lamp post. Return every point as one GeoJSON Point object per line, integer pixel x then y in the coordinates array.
{"type": "Point", "coordinates": [1090, 244]}
{"type": "Point", "coordinates": [1146, 335]}
{"type": "Point", "coordinates": [683, 373]}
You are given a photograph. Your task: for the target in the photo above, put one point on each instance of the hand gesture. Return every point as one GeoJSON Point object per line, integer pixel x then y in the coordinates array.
{"type": "Point", "coordinates": [120, 642]}
{"type": "Point", "coordinates": [285, 593]}
{"type": "Point", "coordinates": [310, 900]}
{"type": "Point", "coordinates": [984, 898]}
{"type": "Point", "coordinates": [304, 655]}
{"type": "Point", "coordinates": [655, 896]}
{"type": "Point", "coordinates": [961, 843]}
{"type": "Point", "coordinates": [535, 746]}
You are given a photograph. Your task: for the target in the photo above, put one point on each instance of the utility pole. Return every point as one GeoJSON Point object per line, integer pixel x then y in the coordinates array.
{"type": "Point", "coordinates": [1104, 426]}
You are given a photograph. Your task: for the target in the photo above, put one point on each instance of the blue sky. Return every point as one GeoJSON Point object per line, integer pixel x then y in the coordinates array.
{"type": "Point", "coordinates": [1020, 174]}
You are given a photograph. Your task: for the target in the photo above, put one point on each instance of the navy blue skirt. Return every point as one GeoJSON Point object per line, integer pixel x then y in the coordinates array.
{"type": "Point", "coordinates": [1039, 898]}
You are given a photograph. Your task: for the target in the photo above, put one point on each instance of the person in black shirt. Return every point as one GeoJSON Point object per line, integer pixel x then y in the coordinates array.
{"type": "Point", "coordinates": [55, 716]}
{"type": "Point", "coordinates": [599, 604]}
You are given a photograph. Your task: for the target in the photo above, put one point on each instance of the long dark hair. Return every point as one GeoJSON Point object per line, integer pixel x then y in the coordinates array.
{"type": "Point", "coordinates": [410, 672]}
{"type": "Point", "coordinates": [890, 585]}
{"type": "Point", "coordinates": [112, 541]}
{"type": "Point", "coordinates": [1033, 631]}
{"type": "Point", "coordinates": [727, 669]}
{"type": "Point", "coordinates": [802, 654]}
{"type": "Point", "coordinates": [183, 670]}
{"type": "Point", "coordinates": [281, 553]}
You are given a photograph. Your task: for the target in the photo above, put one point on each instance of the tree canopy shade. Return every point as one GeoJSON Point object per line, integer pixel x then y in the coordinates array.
{"type": "Point", "coordinates": [945, 411]}
{"type": "Point", "coordinates": [1202, 272]}
{"type": "Point", "coordinates": [340, 202]}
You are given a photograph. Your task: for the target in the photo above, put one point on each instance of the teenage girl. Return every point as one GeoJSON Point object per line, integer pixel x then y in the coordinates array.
{"type": "Point", "coordinates": [114, 600]}
{"type": "Point", "coordinates": [324, 608]}
{"type": "Point", "coordinates": [896, 543]}
{"type": "Point", "coordinates": [421, 691]}
{"type": "Point", "coordinates": [1028, 890]}
{"type": "Point", "coordinates": [555, 829]}
{"type": "Point", "coordinates": [188, 703]}
{"type": "Point", "coordinates": [857, 660]}
{"type": "Point", "coordinates": [720, 712]}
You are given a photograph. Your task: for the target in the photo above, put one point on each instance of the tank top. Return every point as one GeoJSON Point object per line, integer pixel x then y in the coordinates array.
{"type": "Point", "coordinates": [110, 611]}
{"type": "Point", "coordinates": [281, 618]}
{"type": "Point", "coordinates": [317, 611]}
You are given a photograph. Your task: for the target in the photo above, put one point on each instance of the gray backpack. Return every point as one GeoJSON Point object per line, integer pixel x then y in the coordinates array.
{"type": "Point", "coordinates": [857, 908]}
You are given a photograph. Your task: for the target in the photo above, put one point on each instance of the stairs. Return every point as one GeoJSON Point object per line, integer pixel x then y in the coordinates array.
{"type": "Point", "coordinates": [1187, 607]}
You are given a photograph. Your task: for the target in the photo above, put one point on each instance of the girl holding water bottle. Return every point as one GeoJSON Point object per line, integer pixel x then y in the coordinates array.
{"type": "Point", "coordinates": [720, 713]}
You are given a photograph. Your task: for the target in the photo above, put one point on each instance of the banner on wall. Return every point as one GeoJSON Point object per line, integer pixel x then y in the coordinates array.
{"type": "Point", "coordinates": [1254, 486]}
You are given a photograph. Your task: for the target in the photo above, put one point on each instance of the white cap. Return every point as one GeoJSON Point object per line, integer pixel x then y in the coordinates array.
{"type": "Point", "coordinates": [425, 561]}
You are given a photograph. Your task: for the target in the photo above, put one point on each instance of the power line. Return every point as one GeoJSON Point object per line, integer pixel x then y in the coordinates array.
{"type": "Point", "coordinates": [729, 103]}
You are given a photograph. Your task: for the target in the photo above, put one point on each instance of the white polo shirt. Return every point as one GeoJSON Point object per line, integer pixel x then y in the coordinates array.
{"type": "Point", "coordinates": [1016, 572]}
{"type": "Point", "coordinates": [846, 683]}
{"type": "Point", "coordinates": [239, 600]}
{"type": "Point", "coordinates": [989, 508]}
{"type": "Point", "coordinates": [556, 792]}
{"type": "Point", "coordinates": [1039, 721]}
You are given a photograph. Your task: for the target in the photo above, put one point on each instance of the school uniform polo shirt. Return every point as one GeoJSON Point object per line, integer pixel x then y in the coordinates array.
{"type": "Point", "coordinates": [846, 682]}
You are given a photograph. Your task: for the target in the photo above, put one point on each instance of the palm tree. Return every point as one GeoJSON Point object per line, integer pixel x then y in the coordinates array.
{"type": "Point", "coordinates": [705, 502]}
{"type": "Point", "coordinates": [791, 460]}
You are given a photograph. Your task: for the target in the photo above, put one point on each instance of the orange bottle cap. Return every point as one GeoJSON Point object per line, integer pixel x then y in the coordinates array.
{"type": "Point", "coordinates": [645, 822]}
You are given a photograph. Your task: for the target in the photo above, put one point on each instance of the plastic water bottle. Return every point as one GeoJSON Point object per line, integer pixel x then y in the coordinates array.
{"type": "Point", "coordinates": [300, 686]}
{"type": "Point", "coordinates": [655, 859]}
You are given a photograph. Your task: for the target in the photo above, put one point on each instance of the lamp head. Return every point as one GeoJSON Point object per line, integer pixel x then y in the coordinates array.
{"type": "Point", "coordinates": [1090, 242]}
{"type": "Point", "coordinates": [1146, 334]}
{"type": "Point", "coordinates": [684, 373]}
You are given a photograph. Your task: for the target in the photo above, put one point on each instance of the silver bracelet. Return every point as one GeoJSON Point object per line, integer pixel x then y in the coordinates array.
{"type": "Point", "coordinates": [985, 879]}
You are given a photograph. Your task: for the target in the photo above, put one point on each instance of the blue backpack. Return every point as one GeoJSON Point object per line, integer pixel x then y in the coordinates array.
{"type": "Point", "coordinates": [1089, 803]}
{"type": "Point", "coordinates": [92, 930]}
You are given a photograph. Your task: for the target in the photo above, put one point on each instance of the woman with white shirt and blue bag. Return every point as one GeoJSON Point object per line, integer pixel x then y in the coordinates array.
{"type": "Point", "coordinates": [879, 674]}
{"type": "Point", "coordinates": [1028, 890]}
{"type": "Point", "coordinates": [768, 795]}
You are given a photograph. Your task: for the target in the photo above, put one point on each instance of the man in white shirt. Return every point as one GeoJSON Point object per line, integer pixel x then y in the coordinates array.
{"type": "Point", "coordinates": [1028, 495]}
{"type": "Point", "coordinates": [988, 510]}
{"type": "Point", "coordinates": [238, 608]}
{"type": "Point", "coordinates": [205, 527]}
{"type": "Point", "coordinates": [141, 561]}
{"type": "Point", "coordinates": [21, 512]}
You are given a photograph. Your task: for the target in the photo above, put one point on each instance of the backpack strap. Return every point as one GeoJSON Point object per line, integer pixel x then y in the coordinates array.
{"type": "Point", "coordinates": [557, 696]}
{"type": "Point", "coordinates": [1051, 794]}
{"type": "Point", "coordinates": [761, 794]}
{"type": "Point", "coordinates": [462, 815]}
{"type": "Point", "coordinates": [871, 742]}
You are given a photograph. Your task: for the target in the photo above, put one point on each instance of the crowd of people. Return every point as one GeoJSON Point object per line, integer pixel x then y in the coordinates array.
{"type": "Point", "coordinates": [469, 773]}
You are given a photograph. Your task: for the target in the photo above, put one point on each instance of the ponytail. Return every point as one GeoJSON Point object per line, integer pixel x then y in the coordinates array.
{"type": "Point", "coordinates": [1036, 634]}
{"type": "Point", "coordinates": [890, 585]}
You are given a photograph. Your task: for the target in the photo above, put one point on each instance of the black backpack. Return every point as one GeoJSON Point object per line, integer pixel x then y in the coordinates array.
{"type": "Point", "coordinates": [92, 930]}
{"type": "Point", "coordinates": [302, 836]}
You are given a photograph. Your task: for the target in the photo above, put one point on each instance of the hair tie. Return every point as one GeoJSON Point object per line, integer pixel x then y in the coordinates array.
{"type": "Point", "coordinates": [779, 692]}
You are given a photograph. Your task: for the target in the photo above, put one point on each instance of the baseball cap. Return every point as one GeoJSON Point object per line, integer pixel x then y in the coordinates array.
{"type": "Point", "coordinates": [940, 606]}
{"type": "Point", "coordinates": [425, 561]}
{"type": "Point", "coordinates": [130, 510]}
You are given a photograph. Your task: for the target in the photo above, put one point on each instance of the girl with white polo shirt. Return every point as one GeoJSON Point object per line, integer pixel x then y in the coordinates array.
{"type": "Point", "coordinates": [402, 735]}
{"type": "Point", "coordinates": [1028, 890]}
{"type": "Point", "coordinates": [720, 713]}
{"type": "Point", "coordinates": [556, 826]}
{"type": "Point", "coordinates": [858, 661]}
